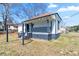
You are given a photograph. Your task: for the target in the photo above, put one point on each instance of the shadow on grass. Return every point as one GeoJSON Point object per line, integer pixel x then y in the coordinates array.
{"type": "Point", "coordinates": [16, 41]}
{"type": "Point", "coordinates": [28, 41]}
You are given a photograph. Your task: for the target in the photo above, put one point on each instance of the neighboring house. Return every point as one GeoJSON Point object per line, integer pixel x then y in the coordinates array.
{"type": "Point", "coordinates": [20, 28]}
{"type": "Point", "coordinates": [63, 30]}
{"type": "Point", "coordinates": [11, 25]}
{"type": "Point", "coordinates": [45, 26]}
{"type": "Point", "coordinates": [1, 26]}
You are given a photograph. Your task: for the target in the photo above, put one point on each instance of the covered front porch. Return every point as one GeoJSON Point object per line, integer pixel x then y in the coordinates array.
{"type": "Point", "coordinates": [41, 28]}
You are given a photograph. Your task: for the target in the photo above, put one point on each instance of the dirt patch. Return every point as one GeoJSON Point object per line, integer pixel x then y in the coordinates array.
{"type": "Point", "coordinates": [66, 44]}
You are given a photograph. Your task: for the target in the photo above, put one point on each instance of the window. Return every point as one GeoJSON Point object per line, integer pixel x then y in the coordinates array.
{"type": "Point", "coordinates": [58, 24]}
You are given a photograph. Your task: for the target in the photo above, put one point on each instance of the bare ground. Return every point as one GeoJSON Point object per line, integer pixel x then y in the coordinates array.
{"type": "Point", "coordinates": [66, 44]}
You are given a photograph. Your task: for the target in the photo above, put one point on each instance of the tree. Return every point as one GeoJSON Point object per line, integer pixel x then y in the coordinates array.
{"type": "Point", "coordinates": [28, 10]}
{"type": "Point", "coordinates": [34, 9]}
{"type": "Point", "coordinates": [5, 15]}
{"type": "Point", "coordinates": [40, 8]}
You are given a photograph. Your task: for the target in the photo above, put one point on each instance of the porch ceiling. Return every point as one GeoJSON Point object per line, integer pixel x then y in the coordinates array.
{"type": "Point", "coordinates": [39, 18]}
{"type": "Point", "coordinates": [36, 21]}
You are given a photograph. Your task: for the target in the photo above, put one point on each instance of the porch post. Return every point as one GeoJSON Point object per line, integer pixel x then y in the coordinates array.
{"type": "Point", "coordinates": [55, 28]}
{"type": "Point", "coordinates": [22, 33]}
{"type": "Point", "coordinates": [48, 26]}
{"type": "Point", "coordinates": [30, 28]}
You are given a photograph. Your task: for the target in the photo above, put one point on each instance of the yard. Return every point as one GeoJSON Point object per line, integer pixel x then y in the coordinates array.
{"type": "Point", "coordinates": [66, 44]}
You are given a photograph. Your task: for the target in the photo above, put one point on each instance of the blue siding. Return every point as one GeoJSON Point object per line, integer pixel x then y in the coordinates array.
{"type": "Point", "coordinates": [45, 36]}
{"type": "Point", "coordinates": [53, 36]}
{"type": "Point", "coordinates": [29, 35]}
{"type": "Point", "coordinates": [40, 36]}
{"type": "Point", "coordinates": [41, 29]}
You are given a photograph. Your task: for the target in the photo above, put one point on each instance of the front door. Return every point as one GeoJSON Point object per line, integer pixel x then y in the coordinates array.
{"type": "Point", "coordinates": [27, 28]}
{"type": "Point", "coordinates": [29, 32]}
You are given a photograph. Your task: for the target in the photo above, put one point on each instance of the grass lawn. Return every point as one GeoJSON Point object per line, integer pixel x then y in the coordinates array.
{"type": "Point", "coordinates": [66, 44]}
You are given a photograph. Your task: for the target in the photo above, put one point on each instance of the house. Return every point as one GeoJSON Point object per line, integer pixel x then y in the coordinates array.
{"type": "Point", "coordinates": [1, 26]}
{"type": "Point", "coordinates": [11, 25]}
{"type": "Point", "coordinates": [46, 26]}
{"type": "Point", "coordinates": [19, 28]}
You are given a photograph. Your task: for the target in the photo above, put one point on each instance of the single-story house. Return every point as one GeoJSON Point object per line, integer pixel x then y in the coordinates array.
{"type": "Point", "coordinates": [46, 26]}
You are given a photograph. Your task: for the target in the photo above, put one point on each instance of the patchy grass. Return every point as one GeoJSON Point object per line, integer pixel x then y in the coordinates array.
{"type": "Point", "coordinates": [66, 44]}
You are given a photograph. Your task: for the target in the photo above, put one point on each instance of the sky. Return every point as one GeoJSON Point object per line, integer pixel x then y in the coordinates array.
{"type": "Point", "coordinates": [69, 12]}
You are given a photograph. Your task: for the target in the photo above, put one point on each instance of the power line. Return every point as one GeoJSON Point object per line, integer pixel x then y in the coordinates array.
{"type": "Point", "coordinates": [74, 14]}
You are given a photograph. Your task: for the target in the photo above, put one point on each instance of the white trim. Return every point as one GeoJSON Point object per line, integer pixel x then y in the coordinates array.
{"type": "Point", "coordinates": [39, 33]}
{"type": "Point", "coordinates": [28, 32]}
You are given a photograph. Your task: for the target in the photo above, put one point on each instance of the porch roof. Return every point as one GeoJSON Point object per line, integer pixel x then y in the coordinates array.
{"type": "Point", "coordinates": [40, 16]}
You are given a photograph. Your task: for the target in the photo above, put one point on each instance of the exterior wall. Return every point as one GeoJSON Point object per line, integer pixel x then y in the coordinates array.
{"type": "Point", "coordinates": [1, 25]}
{"type": "Point", "coordinates": [40, 26]}
{"type": "Point", "coordinates": [43, 29]}
{"type": "Point", "coordinates": [12, 28]}
{"type": "Point", "coordinates": [53, 36]}
{"type": "Point", "coordinates": [55, 25]}
{"type": "Point", "coordinates": [20, 28]}
{"type": "Point", "coordinates": [47, 30]}
{"type": "Point", "coordinates": [20, 31]}
{"type": "Point", "coordinates": [58, 24]}
{"type": "Point", "coordinates": [40, 35]}
{"type": "Point", "coordinates": [45, 36]}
